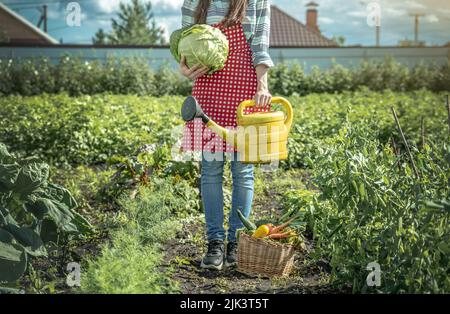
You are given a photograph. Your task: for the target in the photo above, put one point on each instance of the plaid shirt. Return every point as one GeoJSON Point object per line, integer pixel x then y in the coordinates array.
{"type": "Point", "coordinates": [256, 24]}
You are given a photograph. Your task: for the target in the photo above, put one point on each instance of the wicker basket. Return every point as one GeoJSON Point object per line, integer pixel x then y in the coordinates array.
{"type": "Point", "coordinates": [264, 258]}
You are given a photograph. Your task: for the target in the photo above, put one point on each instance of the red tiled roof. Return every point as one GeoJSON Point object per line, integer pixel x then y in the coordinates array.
{"type": "Point", "coordinates": [286, 31]}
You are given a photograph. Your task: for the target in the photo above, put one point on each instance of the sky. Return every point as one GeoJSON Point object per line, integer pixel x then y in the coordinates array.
{"type": "Point", "coordinates": [346, 18]}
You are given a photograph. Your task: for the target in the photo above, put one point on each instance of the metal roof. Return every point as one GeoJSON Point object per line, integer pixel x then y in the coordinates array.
{"type": "Point", "coordinates": [29, 25]}
{"type": "Point", "coordinates": [286, 31]}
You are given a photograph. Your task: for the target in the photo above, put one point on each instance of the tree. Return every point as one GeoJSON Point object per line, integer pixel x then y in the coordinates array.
{"type": "Point", "coordinates": [100, 37]}
{"type": "Point", "coordinates": [135, 25]}
{"type": "Point", "coordinates": [340, 40]}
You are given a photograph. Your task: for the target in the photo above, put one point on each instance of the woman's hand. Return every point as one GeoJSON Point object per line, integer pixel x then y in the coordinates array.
{"type": "Point", "coordinates": [193, 73]}
{"type": "Point", "coordinates": [262, 96]}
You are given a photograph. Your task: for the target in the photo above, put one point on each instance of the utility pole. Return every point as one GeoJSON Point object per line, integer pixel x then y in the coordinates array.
{"type": "Point", "coordinates": [374, 18]}
{"type": "Point", "coordinates": [416, 16]}
{"type": "Point", "coordinates": [378, 29]}
{"type": "Point", "coordinates": [43, 17]}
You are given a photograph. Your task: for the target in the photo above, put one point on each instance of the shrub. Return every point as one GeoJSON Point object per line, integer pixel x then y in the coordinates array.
{"type": "Point", "coordinates": [170, 82]}
{"type": "Point", "coordinates": [134, 76]}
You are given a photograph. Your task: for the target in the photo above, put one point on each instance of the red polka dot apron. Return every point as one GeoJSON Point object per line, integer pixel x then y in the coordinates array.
{"type": "Point", "coordinates": [220, 93]}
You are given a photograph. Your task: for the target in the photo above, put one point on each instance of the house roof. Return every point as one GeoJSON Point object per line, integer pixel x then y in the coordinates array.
{"type": "Point", "coordinates": [286, 31]}
{"type": "Point", "coordinates": [29, 27]}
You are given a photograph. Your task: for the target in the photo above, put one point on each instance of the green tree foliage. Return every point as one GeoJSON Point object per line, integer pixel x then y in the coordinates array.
{"type": "Point", "coordinates": [100, 38]}
{"type": "Point", "coordinates": [135, 25]}
{"type": "Point", "coordinates": [340, 40]}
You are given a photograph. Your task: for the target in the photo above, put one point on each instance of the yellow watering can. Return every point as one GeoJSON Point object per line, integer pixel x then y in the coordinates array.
{"type": "Point", "coordinates": [260, 137]}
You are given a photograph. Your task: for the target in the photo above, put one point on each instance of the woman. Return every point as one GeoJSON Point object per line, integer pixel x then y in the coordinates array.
{"type": "Point", "coordinates": [246, 24]}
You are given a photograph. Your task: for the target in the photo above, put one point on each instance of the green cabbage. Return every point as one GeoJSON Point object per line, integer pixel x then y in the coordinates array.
{"type": "Point", "coordinates": [200, 44]}
{"type": "Point", "coordinates": [174, 40]}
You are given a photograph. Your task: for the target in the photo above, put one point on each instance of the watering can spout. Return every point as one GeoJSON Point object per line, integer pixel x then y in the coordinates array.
{"type": "Point", "coordinates": [191, 110]}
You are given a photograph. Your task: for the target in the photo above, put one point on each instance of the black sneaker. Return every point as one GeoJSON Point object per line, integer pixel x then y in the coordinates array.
{"type": "Point", "coordinates": [231, 254]}
{"type": "Point", "coordinates": [214, 257]}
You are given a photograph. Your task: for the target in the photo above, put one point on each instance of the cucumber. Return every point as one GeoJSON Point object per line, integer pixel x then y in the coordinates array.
{"type": "Point", "coordinates": [247, 223]}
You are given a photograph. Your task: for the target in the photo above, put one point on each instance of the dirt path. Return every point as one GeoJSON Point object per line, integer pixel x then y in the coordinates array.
{"type": "Point", "coordinates": [184, 254]}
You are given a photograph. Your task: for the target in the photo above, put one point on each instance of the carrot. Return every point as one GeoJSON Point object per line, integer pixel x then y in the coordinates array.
{"type": "Point", "coordinates": [281, 235]}
{"type": "Point", "coordinates": [280, 228]}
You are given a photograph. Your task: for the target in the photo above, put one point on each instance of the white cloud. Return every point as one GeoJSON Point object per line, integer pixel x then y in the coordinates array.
{"type": "Point", "coordinates": [169, 24]}
{"type": "Point", "coordinates": [53, 14]}
{"type": "Point", "coordinates": [413, 5]}
{"type": "Point", "coordinates": [110, 6]}
{"type": "Point", "coordinates": [432, 18]}
{"type": "Point", "coordinates": [326, 20]}
{"type": "Point", "coordinates": [172, 4]}
{"type": "Point", "coordinates": [166, 27]}
{"type": "Point", "coordinates": [357, 13]}
{"type": "Point", "coordinates": [395, 12]}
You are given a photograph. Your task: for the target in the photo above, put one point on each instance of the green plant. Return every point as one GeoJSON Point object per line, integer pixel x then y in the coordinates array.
{"type": "Point", "coordinates": [170, 82]}
{"type": "Point", "coordinates": [126, 266]}
{"type": "Point", "coordinates": [318, 117]}
{"type": "Point", "coordinates": [136, 170]}
{"type": "Point", "coordinates": [33, 212]}
{"type": "Point", "coordinates": [86, 130]}
{"type": "Point", "coordinates": [154, 212]}
{"type": "Point", "coordinates": [76, 77]}
{"type": "Point", "coordinates": [371, 207]}
{"type": "Point", "coordinates": [131, 263]}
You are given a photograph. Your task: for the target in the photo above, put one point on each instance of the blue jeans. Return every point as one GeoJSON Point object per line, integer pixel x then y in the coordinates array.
{"type": "Point", "coordinates": [212, 195]}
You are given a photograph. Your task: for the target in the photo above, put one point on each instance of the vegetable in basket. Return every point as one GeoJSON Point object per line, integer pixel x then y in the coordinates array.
{"type": "Point", "coordinates": [281, 227]}
{"type": "Point", "coordinates": [200, 44]}
{"type": "Point", "coordinates": [247, 222]}
{"type": "Point", "coordinates": [261, 232]}
{"type": "Point", "coordinates": [284, 235]}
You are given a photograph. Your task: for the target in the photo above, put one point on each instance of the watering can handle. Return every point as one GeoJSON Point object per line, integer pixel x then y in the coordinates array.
{"type": "Point", "coordinates": [278, 100]}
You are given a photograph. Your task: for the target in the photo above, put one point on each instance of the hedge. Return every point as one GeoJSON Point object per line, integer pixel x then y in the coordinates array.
{"type": "Point", "coordinates": [134, 76]}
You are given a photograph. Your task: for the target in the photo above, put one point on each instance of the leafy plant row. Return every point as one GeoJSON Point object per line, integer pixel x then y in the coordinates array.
{"type": "Point", "coordinates": [93, 129]}
{"type": "Point", "coordinates": [33, 213]}
{"type": "Point", "coordinates": [134, 76]}
{"type": "Point", "coordinates": [372, 206]}
{"type": "Point", "coordinates": [321, 116]}
{"type": "Point", "coordinates": [87, 129]}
